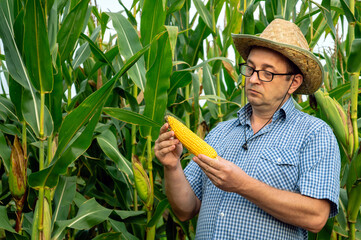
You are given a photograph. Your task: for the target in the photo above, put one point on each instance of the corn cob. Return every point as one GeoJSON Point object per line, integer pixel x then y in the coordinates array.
{"type": "Point", "coordinates": [17, 173]}
{"type": "Point", "coordinates": [45, 233]}
{"type": "Point", "coordinates": [337, 118]}
{"type": "Point", "coordinates": [189, 139]}
{"type": "Point", "coordinates": [142, 183]}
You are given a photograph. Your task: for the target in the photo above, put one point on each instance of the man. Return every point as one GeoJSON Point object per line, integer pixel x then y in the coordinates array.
{"type": "Point", "coordinates": [277, 173]}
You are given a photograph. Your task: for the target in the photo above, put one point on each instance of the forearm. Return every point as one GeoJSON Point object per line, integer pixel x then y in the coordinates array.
{"type": "Point", "coordinates": [293, 208]}
{"type": "Point", "coordinates": [184, 202]}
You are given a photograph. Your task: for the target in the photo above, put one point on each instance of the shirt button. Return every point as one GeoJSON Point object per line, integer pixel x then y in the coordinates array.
{"type": "Point", "coordinates": [278, 159]}
{"type": "Point", "coordinates": [221, 214]}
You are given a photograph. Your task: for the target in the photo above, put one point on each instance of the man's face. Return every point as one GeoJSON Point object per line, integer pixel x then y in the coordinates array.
{"type": "Point", "coordinates": [267, 94]}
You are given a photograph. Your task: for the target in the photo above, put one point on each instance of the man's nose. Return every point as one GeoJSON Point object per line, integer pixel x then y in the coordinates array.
{"type": "Point", "coordinates": [254, 78]}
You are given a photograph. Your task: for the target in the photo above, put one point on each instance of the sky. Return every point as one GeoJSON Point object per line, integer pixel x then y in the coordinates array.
{"type": "Point", "coordinates": [114, 6]}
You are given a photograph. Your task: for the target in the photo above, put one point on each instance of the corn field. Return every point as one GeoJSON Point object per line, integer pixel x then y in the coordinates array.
{"type": "Point", "coordinates": [80, 112]}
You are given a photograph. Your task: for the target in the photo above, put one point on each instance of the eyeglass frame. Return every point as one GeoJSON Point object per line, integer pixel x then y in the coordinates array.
{"type": "Point", "coordinates": [257, 71]}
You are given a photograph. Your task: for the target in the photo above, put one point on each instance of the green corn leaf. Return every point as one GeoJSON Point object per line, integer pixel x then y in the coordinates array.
{"type": "Point", "coordinates": [120, 227]}
{"type": "Point", "coordinates": [84, 50]}
{"type": "Point", "coordinates": [134, 106]}
{"type": "Point", "coordinates": [161, 207]}
{"type": "Point", "coordinates": [111, 54]}
{"type": "Point", "coordinates": [347, 12]}
{"type": "Point", "coordinates": [327, 14]}
{"type": "Point", "coordinates": [353, 61]}
{"type": "Point", "coordinates": [327, 230]}
{"type": "Point", "coordinates": [354, 202]}
{"type": "Point", "coordinates": [155, 94]}
{"type": "Point", "coordinates": [76, 132]}
{"type": "Point", "coordinates": [54, 99]}
{"type": "Point", "coordinates": [123, 214]}
{"type": "Point", "coordinates": [202, 64]}
{"type": "Point", "coordinates": [30, 108]}
{"type": "Point", "coordinates": [152, 21]}
{"type": "Point", "coordinates": [110, 236]}
{"type": "Point", "coordinates": [86, 19]}
{"type": "Point", "coordinates": [90, 214]}
{"type": "Point", "coordinates": [196, 89]}
{"type": "Point", "coordinates": [4, 220]}
{"type": "Point", "coordinates": [36, 47]}
{"type": "Point", "coordinates": [97, 52]}
{"type": "Point", "coordinates": [177, 80]}
{"type": "Point", "coordinates": [4, 152]}
{"type": "Point", "coordinates": [63, 198]}
{"type": "Point", "coordinates": [53, 27]}
{"type": "Point", "coordinates": [210, 88]}
{"type": "Point", "coordinates": [341, 216]}
{"type": "Point", "coordinates": [300, 18]}
{"type": "Point", "coordinates": [270, 10]}
{"type": "Point", "coordinates": [342, 91]}
{"type": "Point", "coordinates": [79, 199]}
{"type": "Point", "coordinates": [75, 137]}
{"type": "Point", "coordinates": [130, 16]}
{"type": "Point", "coordinates": [204, 13]}
{"type": "Point", "coordinates": [14, 60]}
{"type": "Point", "coordinates": [16, 92]}
{"type": "Point", "coordinates": [128, 44]}
{"type": "Point", "coordinates": [108, 143]}
{"type": "Point", "coordinates": [130, 117]}
{"type": "Point", "coordinates": [70, 29]}
{"type": "Point", "coordinates": [173, 34]}
{"type": "Point", "coordinates": [15, 236]}
{"type": "Point", "coordinates": [248, 24]}
{"type": "Point", "coordinates": [196, 43]}
{"type": "Point", "coordinates": [10, 129]}
{"type": "Point", "coordinates": [176, 6]}
{"type": "Point", "coordinates": [354, 173]}
{"type": "Point", "coordinates": [289, 6]}
{"type": "Point", "coordinates": [8, 108]}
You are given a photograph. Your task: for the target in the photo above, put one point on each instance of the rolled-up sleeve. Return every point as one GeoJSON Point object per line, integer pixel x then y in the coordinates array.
{"type": "Point", "coordinates": [320, 167]}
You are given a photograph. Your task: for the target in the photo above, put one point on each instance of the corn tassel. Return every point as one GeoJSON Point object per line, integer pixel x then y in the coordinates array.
{"type": "Point", "coordinates": [190, 140]}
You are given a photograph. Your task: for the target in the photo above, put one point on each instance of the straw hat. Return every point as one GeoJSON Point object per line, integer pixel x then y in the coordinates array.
{"type": "Point", "coordinates": [286, 38]}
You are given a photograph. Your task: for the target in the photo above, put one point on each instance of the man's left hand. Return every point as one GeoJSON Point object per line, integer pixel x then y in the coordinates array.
{"type": "Point", "coordinates": [223, 174]}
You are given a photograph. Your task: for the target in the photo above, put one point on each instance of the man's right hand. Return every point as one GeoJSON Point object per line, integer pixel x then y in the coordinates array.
{"type": "Point", "coordinates": [167, 148]}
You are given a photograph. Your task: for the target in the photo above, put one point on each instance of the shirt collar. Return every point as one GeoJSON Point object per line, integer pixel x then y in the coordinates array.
{"type": "Point", "coordinates": [245, 112]}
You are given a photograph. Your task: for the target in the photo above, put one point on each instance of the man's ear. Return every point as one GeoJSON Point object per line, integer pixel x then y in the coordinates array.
{"type": "Point", "coordinates": [296, 83]}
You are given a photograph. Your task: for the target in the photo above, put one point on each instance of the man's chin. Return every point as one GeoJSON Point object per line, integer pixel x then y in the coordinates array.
{"type": "Point", "coordinates": [256, 102]}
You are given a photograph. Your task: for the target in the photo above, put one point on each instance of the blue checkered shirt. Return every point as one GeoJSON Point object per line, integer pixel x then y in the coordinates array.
{"type": "Point", "coordinates": [295, 152]}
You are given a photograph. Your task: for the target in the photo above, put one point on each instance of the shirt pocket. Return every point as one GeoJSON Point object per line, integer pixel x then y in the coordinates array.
{"type": "Point", "coordinates": [278, 167]}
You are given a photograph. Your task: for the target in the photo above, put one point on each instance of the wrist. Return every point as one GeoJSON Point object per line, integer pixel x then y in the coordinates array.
{"type": "Point", "coordinates": [245, 184]}
{"type": "Point", "coordinates": [172, 167]}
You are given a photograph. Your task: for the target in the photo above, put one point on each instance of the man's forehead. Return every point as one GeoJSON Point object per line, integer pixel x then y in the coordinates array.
{"type": "Point", "coordinates": [265, 54]}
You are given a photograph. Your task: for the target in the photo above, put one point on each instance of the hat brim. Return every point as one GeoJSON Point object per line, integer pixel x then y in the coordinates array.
{"type": "Point", "coordinates": [308, 64]}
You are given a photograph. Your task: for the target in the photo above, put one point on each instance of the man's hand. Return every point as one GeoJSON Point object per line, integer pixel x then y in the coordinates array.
{"type": "Point", "coordinates": [223, 174]}
{"type": "Point", "coordinates": [167, 148]}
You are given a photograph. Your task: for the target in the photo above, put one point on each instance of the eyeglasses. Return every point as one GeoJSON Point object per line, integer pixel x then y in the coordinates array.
{"type": "Point", "coordinates": [263, 75]}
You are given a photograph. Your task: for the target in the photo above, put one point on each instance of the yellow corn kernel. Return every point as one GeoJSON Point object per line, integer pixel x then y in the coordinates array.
{"type": "Point", "coordinates": [189, 139]}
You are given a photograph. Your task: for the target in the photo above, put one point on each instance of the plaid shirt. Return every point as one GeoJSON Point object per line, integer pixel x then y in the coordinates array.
{"type": "Point", "coordinates": [295, 152]}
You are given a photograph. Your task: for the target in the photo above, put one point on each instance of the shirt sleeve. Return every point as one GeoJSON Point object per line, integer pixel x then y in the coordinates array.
{"type": "Point", "coordinates": [320, 167]}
